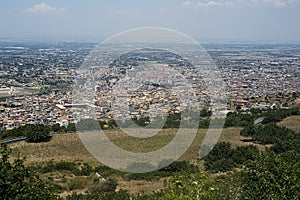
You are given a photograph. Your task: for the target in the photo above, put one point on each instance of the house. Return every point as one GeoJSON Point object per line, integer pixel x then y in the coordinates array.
{"type": "Point", "coordinates": [63, 121]}
{"type": "Point", "coordinates": [240, 102]}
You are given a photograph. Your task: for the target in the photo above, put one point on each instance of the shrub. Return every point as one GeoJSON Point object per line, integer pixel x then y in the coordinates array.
{"type": "Point", "coordinates": [220, 158]}
{"type": "Point", "coordinates": [37, 133]}
{"type": "Point", "coordinates": [107, 186]}
{"type": "Point", "coordinates": [55, 128]}
{"type": "Point", "coordinates": [272, 176]}
{"type": "Point", "coordinates": [77, 183]}
{"type": "Point", "coordinates": [224, 158]}
{"type": "Point", "coordinates": [242, 154]}
{"type": "Point", "coordinates": [249, 131]}
{"type": "Point", "coordinates": [65, 165]}
{"type": "Point", "coordinates": [98, 194]}
{"type": "Point", "coordinates": [271, 134]}
{"type": "Point", "coordinates": [18, 182]}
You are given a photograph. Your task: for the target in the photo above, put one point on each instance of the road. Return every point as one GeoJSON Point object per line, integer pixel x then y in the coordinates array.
{"type": "Point", "coordinates": [13, 140]}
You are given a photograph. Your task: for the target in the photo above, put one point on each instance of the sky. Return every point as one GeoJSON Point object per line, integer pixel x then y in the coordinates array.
{"type": "Point", "coordinates": [234, 20]}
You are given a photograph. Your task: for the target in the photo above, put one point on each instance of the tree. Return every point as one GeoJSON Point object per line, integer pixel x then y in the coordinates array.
{"type": "Point", "coordinates": [220, 158]}
{"type": "Point", "coordinates": [55, 128]}
{"type": "Point", "coordinates": [242, 154]}
{"type": "Point", "coordinates": [238, 107]}
{"type": "Point", "coordinates": [37, 133]}
{"type": "Point", "coordinates": [205, 113]}
{"type": "Point", "coordinates": [249, 131]}
{"type": "Point", "coordinates": [71, 128]}
{"type": "Point", "coordinates": [273, 134]}
{"type": "Point", "coordinates": [272, 176]}
{"type": "Point", "coordinates": [17, 182]}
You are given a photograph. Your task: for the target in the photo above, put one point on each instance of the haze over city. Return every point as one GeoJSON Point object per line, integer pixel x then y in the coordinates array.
{"type": "Point", "coordinates": [117, 99]}
{"type": "Point", "coordinates": [216, 20]}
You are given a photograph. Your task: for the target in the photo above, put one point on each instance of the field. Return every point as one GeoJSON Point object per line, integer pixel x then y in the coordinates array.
{"type": "Point", "coordinates": [69, 147]}
{"type": "Point", "coordinates": [292, 122]}
{"type": "Point", "coordinates": [66, 147]}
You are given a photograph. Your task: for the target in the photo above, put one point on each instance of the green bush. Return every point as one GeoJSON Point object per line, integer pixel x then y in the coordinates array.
{"type": "Point", "coordinates": [224, 158]}
{"type": "Point", "coordinates": [98, 194]}
{"type": "Point", "coordinates": [18, 182]}
{"type": "Point", "coordinates": [271, 134]}
{"type": "Point", "coordinates": [65, 165]}
{"type": "Point", "coordinates": [77, 183]}
{"type": "Point", "coordinates": [175, 167]}
{"type": "Point", "coordinates": [272, 176]}
{"type": "Point", "coordinates": [249, 131]}
{"type": "Point", "coordinates": [85, 170]}
{"type": "Point", "coordinates": [242, 154]}
{"type": "Point", "coordinates": [220, 158]}
{"type": "Point", "coordinates": [34, 133]}
{"type": "Point", "coordinates": [106, 186]}
{"type": "Point", "coordinates": [55, 128]}
{"type": "Point", "coordinates": [184, 186]}
{"type": "Point", "coordinates": [37, 133]}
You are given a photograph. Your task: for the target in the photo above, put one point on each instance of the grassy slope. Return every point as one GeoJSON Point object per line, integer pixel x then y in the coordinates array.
{"type": "Point", "coordinates": [69, 147]}
{"type": "Point", "coordinates": [292, 122]}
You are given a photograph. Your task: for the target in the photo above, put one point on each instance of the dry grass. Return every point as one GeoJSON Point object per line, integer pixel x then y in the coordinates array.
{"type": "Point", "coordinates": [292, 122]}
{"type": "Point", "coordinates": [62, 147]}
{"type": "Point", "coordinates": [69, 147]}
{"type": "Point", "coordinates": [233, 136]}
{"type": "Point", "coordinates": [140, 186]}
{"type": "Point", "coordinates": [134, 144]}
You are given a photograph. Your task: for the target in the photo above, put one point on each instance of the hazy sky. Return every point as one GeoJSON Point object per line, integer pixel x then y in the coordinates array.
{"type": "Point", "coordinates": [261, 20]}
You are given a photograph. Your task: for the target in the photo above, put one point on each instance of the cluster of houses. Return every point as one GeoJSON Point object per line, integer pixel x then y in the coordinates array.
{"type": "Point", "coordinates": [252, 80]}
{"type": "Point", "coordinates": [33, 109]}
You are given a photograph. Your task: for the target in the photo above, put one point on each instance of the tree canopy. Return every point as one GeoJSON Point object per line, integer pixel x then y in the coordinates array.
{"type": "Point", "coordinates": [18, 182]}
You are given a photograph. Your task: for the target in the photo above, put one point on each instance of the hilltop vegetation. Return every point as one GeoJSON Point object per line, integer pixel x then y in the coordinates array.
{"type": "Point", "coordinates": [37, 133]}
{"type": "Point", "coordinates": [231, 170]}
{"type": "Point", "coordinates": [18, 182]}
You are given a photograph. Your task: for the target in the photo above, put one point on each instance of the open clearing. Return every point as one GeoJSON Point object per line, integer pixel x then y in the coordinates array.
{"type": "Point", "coordinates": [68, 147]}
{"type": "Point", "coordinates": [292, 122]}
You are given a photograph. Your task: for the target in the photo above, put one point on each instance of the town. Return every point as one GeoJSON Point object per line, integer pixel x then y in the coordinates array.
{"type": "Point", "coordinates": [37, 81]}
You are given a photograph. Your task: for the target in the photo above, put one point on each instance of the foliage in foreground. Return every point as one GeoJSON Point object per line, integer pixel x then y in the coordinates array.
{"type": "Point", "coordinates": [98, 194]}
{"type": "Point", "coordinates": [17, 182]}
{"type": "Point", "coordinates": [273, 176]}
{"type": "Point", "coordinates": [198, 186]}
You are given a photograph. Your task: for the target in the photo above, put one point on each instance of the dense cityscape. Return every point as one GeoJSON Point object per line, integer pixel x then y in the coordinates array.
{"type": "Point", "coordinates": [150, 100]}
{"type": "Point", "coordinates": [37, 79]}
{"type": "Point", "coordinates": [53, 95]}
